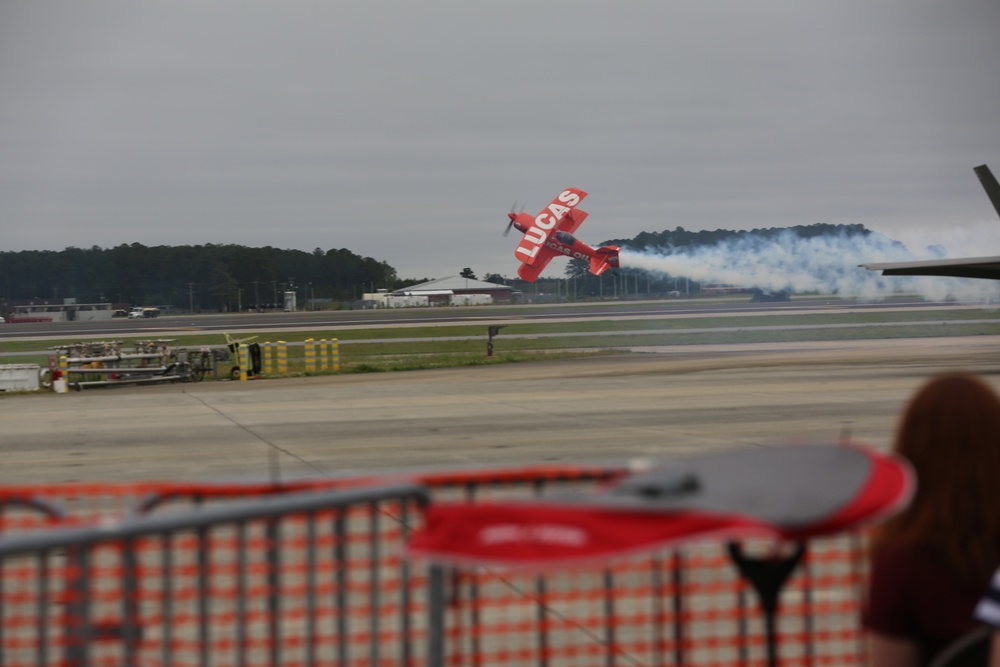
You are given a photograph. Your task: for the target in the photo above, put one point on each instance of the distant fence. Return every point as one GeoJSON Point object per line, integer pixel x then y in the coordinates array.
{"type": "Point", "coordinates": [314, 572]}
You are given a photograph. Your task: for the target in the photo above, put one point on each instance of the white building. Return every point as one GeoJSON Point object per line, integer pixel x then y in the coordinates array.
{"type": "Point", "coordinates": [451, 291]}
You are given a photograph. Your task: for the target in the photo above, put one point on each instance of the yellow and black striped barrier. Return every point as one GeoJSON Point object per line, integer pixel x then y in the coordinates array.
{"type": "Point", "coordinates": [321, 356]}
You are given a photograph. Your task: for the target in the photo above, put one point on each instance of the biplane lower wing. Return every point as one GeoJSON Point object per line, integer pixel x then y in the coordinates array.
{"type": "Point", "coordinates": [530, 272]}
{"type": "Point", "coordinates": [531, 248]}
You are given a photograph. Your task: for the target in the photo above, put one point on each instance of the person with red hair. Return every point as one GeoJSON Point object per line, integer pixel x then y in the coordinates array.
{"type": "Point", "coordinates": [932, 562]}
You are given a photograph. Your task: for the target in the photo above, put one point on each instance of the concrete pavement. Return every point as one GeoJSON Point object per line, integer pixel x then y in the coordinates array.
{"type": "Point", "coordinates": [665, 402]}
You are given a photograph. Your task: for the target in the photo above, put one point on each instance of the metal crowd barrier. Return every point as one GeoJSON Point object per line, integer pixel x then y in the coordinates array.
{"type": "Point", "coordinates": [312, 572]}
{"type": "Point", "coordinates": [304, 579]}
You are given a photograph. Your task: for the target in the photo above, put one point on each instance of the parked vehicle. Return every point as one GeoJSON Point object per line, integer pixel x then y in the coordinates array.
{"type": "Point", "coordinates": [138, 312]}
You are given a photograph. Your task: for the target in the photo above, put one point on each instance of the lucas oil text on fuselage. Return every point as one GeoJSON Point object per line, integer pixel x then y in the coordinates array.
{"type": "Point", "coordinates": [550, 234]}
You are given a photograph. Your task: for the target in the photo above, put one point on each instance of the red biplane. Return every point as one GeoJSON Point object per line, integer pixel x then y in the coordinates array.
{"type": "Point", "coordinates": [550, 234]}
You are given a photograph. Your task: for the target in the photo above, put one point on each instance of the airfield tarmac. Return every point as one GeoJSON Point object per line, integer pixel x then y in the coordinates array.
{"type": "Point", "coordinates": [664, 403]}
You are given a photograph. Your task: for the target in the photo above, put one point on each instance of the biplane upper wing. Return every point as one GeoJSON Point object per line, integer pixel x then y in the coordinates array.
{"type": "Point", "coordinates": [531, 248]}
{"type": "Point", "coordinates": [572, 221]}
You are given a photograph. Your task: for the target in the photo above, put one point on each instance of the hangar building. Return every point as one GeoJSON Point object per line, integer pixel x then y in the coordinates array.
{"type": "Point", "coordinates": [450, 291]}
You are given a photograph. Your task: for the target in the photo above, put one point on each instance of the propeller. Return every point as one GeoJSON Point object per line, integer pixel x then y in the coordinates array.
{"type": "Point", "coordinates": [512, 215]}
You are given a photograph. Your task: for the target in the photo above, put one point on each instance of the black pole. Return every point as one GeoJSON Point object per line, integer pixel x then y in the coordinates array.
{"type": "Point", "coordinates": [492, 331]}
{"type": "Point", "coordinates": [767, 576]}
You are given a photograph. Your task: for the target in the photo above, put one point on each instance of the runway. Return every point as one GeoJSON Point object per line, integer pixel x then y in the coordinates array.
{"type": "Point", "coordinates": [666, 402]}
{"type": "Point", "coordinates": [425, 317]}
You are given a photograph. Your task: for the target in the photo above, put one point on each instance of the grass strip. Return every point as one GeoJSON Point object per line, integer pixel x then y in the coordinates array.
{"type": "Point", "coordinates": [382, 349]}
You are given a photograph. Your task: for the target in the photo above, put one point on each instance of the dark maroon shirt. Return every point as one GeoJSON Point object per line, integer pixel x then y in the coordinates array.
{"type": "Point", "coordinates": [912, 596]}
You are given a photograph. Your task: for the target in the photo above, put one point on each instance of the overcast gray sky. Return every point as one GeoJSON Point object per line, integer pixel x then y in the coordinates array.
{"type": "Point", "coordinates": [405, 131]}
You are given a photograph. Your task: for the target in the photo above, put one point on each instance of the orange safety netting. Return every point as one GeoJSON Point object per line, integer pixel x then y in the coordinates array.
{"type": "Point", "coordinates": [335, 587]}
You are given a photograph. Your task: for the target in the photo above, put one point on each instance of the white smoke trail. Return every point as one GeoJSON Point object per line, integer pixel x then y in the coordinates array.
{"type": "Point", "coordinates": [825, 264]}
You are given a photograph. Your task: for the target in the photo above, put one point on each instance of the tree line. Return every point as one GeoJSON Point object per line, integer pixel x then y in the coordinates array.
{"type": "Point", "coordinates": [229, 277]}
{"type": "Point", "coordinates": [202, 277]}
{"type": "Point", "coordinates": [682, 238]}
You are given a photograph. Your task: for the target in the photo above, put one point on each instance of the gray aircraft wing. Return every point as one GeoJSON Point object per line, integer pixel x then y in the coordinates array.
{"type": "Point", "coordinates": [989, 184]}
{"type": "Point", "coordinates": [967, 267]}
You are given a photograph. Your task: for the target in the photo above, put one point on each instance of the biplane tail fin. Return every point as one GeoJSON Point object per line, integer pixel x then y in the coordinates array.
{"type": "Point", "coordinates": [605, 257]}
